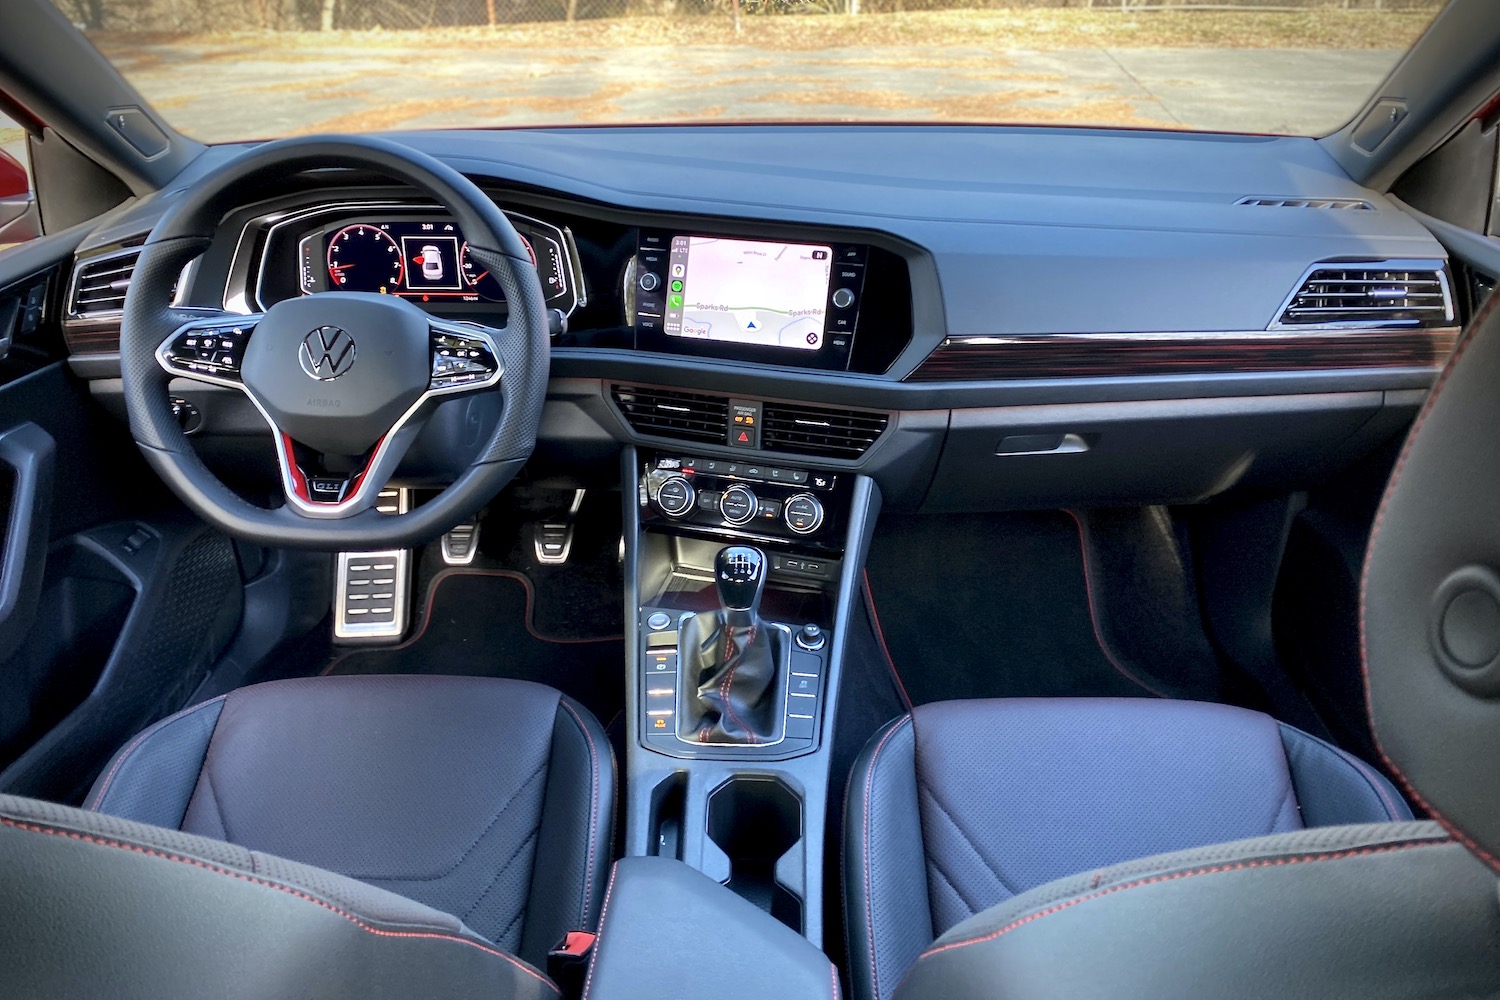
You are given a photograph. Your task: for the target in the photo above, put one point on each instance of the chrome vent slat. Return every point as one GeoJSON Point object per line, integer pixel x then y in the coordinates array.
{"type": "Point", "coordinates": [1391, 293]}
{"type": "Point", "coordinates": [672, 413]}
{"type": "Point", "coordinates": [1329, 204]}
{"type": "Point", "coordinates": [99, 285]}
{"type": "Point", "coordinates": [827, 433]}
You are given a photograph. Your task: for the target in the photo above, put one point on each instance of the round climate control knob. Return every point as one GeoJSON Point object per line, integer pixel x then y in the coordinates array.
{"type": "Point", "coordinates": [803, 513]}
{"type": "Point", "coordinates": [675, 496]}
{"type": "Point", "coordinates": [738, 505]}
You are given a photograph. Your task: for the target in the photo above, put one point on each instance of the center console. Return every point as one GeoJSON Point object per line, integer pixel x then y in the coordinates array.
{"type": "Point", "coordinates": [740, 574]}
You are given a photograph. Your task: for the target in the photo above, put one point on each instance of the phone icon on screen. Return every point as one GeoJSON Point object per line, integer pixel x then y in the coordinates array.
{"type": "Point", "coordinates": [674, 301]}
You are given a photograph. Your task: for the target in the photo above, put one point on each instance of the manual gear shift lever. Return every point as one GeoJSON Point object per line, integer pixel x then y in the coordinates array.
{"type": "Point", "coordinates": [734, 664]}
{"type": "Point", "coordinates": [740, 574]}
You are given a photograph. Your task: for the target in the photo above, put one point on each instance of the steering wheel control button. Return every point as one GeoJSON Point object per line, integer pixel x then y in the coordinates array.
{"type": "Point", "coordinates": [675, 497]}
{"type": "Point", "coordinates": [811, 637]}
{"type": "Point", "coordinates": [843, 298]}
{"type": "Point", "coordinates": [738, 505]}
{"type": "Point", "coordinates": [804, 514]}
{"type": "Point", "coordinates": [460, 359]}
{"type": "Point", "coordinates": [658, 621]}
{"type": "Point", "coordinates": [215, 352]}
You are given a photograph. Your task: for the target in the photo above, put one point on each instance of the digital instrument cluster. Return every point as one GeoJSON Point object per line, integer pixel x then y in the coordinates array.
{"type": "Point", "coordinates": [426, 259]}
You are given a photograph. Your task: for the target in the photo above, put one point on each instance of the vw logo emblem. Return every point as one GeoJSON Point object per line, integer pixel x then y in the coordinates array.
{"type": "Point", "coordinates": [326, 353]}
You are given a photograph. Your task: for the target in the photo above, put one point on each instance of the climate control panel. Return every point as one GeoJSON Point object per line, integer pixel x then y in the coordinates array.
{"type": "Point", "coordinates": [725, 496]}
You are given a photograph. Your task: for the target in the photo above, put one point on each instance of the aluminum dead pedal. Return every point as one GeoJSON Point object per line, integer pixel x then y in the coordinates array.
{"type": "Point", "coordinates": [372, 594]}
{"type": "Point", "coordinates": [461, 545]}
{"type": "Point", "coordinates": [372, 590]}
{"type": "Point", "coordinates": [554, 539]}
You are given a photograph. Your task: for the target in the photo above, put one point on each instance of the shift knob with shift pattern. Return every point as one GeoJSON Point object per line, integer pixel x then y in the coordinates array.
{"type": "Point", "coordinates": [734, 664]}
{"type": "Point", "coordinates": [740, 575]}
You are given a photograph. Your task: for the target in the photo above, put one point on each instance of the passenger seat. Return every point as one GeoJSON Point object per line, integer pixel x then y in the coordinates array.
{"type": "Point", "coordinates": [958, 806]}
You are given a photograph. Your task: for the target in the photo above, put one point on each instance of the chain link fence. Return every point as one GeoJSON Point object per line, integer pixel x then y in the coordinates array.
{"type": "Point", "coordinates": [405, 15]}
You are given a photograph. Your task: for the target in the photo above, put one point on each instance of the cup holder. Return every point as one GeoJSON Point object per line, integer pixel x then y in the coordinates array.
{"type": "Point", "coordinates": [756, 820]}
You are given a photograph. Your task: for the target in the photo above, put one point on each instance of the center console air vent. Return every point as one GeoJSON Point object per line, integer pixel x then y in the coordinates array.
{"type": "Point", "coordinates": [98, 286]}
{"type": "Point", "coordinates": [671, 413]}
{"type": "Point", "coordinates": [1330, 204]}
{"type": "Point", "coordinates": [814, 430]}
{"type": "Point", "coordinates": [1394, 293]}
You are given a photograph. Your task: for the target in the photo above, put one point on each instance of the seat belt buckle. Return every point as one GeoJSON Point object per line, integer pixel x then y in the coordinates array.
{"type": "Point", "coordinates": [568, 961]}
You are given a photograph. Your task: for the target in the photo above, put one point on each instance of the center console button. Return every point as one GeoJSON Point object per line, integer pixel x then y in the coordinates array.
{"type": "Point", "coordinates": [658, 621]}
{"type": "Point", "coordinates": [737, 505]}
{"type": "Point", "coordinates": [804, 514]}
{"type": "Point", "coordinates": [650, 282]}
{"type": "Point", "coordinates": [675, 496]}
{"type": "Point", "coordinates": [843, 298]}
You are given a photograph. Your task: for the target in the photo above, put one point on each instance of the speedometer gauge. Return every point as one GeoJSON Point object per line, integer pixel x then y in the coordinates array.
{"type": "Point", "coordinates": [365, 259]}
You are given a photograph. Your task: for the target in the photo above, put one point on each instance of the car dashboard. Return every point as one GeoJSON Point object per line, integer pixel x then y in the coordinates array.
{"type": "Point", "coordinates": [976, 318]}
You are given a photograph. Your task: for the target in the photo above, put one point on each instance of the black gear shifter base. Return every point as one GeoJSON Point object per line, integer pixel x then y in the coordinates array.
{"type": "Point", "coordinates": [734, 664]}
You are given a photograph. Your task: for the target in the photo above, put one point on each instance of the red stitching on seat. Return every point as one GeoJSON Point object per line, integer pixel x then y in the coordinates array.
{"type": "Point", "coordinates": [141, 737]}
{"type": "Point", "coordinates": [207, 866]}
{"type": "Point", "coordinates": [869, 906]}
{"type": "Point", "coordinates": [588, 882]}
{"type": "Point", "coordinates": [588, 981]}
{"type": "Point", "coordinates": [1175, 876]}
{"type": "Point", "coordinates": [1364, 586]}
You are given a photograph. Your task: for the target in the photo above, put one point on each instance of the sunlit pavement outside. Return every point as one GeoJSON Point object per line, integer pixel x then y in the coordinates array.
{"type": "Point", "coordinates": [257, 92]}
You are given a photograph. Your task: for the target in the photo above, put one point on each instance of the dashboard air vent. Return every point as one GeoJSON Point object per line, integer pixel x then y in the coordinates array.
{"type": "Point", "coordinates": [99, 285]}
{"type": "Point", "coordinates": [1384, 293]}
{"type": "Point", "coordinates": [813, 430]}
{"type": "Point", "coordinates": [672, 413]}
{"type": "Point", "coordinates": [1331, 204]}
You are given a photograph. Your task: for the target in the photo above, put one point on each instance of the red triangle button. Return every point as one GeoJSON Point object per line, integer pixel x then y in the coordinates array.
{"type": "Point", "coordinates": [745, 438]}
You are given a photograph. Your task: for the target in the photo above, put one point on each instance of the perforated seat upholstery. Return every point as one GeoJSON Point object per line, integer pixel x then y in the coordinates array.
{"type": "Point", "coordinates": [490, 800]}
{"type": "Point", "coordinates": [960, 806]}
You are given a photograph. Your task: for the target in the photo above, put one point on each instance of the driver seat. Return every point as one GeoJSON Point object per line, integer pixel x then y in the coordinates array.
{"type": "Point", "coordinates": [488, 800]}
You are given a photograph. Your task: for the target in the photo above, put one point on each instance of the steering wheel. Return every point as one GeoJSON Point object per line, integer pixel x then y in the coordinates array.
{"type": "Point", "coordinates": [345, 380]}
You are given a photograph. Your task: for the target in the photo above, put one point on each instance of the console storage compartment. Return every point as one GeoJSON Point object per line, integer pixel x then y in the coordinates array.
{"type": "Point", "coordinates": [669, 931]}
{"type": "Point", "coordinates": [756, 820]}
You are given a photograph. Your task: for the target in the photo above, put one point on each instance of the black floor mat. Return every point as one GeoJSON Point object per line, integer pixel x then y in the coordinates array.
{"type": "Point", "coordinates": [481, 623]}
{"type": "Point", "coordinates": [993, 606]}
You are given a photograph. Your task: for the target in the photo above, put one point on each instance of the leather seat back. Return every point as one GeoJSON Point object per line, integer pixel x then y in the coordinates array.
{"type": "Point", "coordinates": [100, 906]}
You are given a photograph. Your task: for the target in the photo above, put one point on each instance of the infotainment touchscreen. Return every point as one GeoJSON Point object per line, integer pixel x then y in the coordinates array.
{"type": "Point", "coordinates": [747, 298]}
{"type": "Point", "coordinates": [747, 292]}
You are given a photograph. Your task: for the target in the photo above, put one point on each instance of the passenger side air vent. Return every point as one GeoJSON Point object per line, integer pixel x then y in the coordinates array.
{"type": "Point", "coordinates": [671, 413]}
{"type": "Point", "coordinates": [1396, 293]}
{"type": "Point", "coordinates": [813, 430]}
{"type": "Point", "coordinates": [98, 287]}
{"type": "Point", "coordinates": [1330, 204]}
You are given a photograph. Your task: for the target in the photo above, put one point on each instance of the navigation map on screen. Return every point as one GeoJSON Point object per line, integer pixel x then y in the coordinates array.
{"type": "Point", "coordinates": [747, 292]}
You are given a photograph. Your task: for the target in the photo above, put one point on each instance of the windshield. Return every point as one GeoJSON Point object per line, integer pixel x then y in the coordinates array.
{"type": "Point", "coordinates": [239, 69]}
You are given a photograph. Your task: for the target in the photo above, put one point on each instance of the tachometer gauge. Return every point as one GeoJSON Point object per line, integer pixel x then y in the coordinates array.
{"type": "Point", "coordinates": [365, 259]}
{"type": "Point", "coordinates": [482, 282]}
